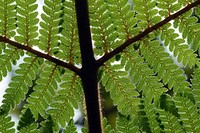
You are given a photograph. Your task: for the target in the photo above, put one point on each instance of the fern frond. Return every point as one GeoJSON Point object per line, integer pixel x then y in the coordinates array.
{"type": "Point", "coordinates": [146, 13]}
{"type": "Point", "coordinates": [167, 104]}
{"type": "Point", "coordinates": [69, 48]}
{"type": "Point", "coordinates": [142, 75]}
{"type": "Point", "coordinates": [47, 125]}
{"type": "Point", "coordinates": [71, 128]}
{"type": "Point", "coordinates": [150, 113]}
{"type": "Point", "coordinates": [122, 91]}
{"type": "Point", "coordinates": [169, 7]}
{"type": "Point", "coordinates": [170, 122]}
{"type": "Point", "coordinates": [6, 125]}
{"type": "Point", "coordinates": [27, 22]}
{"type": "Point", "coordinates": [66, 99]}
{"type": "Point", "coordinates": [106, 127]}
{"type": "Point", "coordinates": [189, 28]}
{"type": "Point", "coordinates": [27, 123]}
{"type": "Point", "coordinates": [103, 31]}
{"type": "Point", "coordinates": [44, 90]}
{"type": "Point", "coordinates": [161, 63]}
{"type": "Point", "coordinates": [176, 45]}
{"type": "Point", "coordinates": [19, 86]}
{"type": "Point", "coordinates": [49, 38]}
{"type": "Point", "coordinates": [7, 19]}
{"type": "Point", "coordinates": [188, 114]}
{"type": "Point", "coordinates": [125, 125]}
{"type": "Point", "coordinates": [196, 86]}
{"type": "Point", "coordinates": [7, 59]}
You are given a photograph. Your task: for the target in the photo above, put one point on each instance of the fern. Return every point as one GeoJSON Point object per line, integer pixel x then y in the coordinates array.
{"type": "Point", "coordinates": [125, 125]}
{"type": "Point", "coordinates": [27, 123]}
{"type": "Point", "coordinates": [170, 122]}
{"type": "Point", "coordinates": [6, 124]}
{"type": "Point", "coordinates": [116, 81]}
{"type": "Point", "coordinates": [71, 128]}
{"type": "Point", "coordinates": [66, 100]}
{"type": "Point", "coordinates": [77, 48]}
{"type": "Point", "coordinates": [188, 114]}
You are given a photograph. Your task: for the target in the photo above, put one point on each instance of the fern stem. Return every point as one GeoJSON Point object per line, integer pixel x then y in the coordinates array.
{"type": "Point", "coordinates": [42, 55]}
{"type": "Point", "coordinates": [89, 68]}
{"type": "Point", "coordinates": [128, 42]}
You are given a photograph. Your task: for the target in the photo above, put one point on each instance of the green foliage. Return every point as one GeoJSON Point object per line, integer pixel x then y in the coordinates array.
{"type": "Point", "coordinates": [27, 123]}
{"type": "Point", "coordinates": [188, 114]}
{"type": "Point", "coordinates": [71, 127]}
{"type": "Point", "coordinates": [6, 125]}
{"type": "Point", "coordinates": [125, 125]}
{"type": "Point", "coordinates": [151, 92]}
{"type": "Point", "coordinates": [121, 90]}
{"type": "Point", "coordinates": [27, 22]}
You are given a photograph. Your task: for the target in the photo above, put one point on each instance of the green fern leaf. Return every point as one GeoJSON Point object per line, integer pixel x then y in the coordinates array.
{"type": "Point", "coordinates": [167, 104]}
{"type": "Point", "coordinates": [106, 127]}
{"type": "Point", "coordinates": [66, 99]}
{"type": "Point", "coordinates": [20, 83]}
{"type": "Point", "coordinates": [142, 75]}
{"type": "Point", "coordinates": [49, 31]}
{"type": "Point", "coordinates": [177, 46]}
{"type": "Point", "coordinates": [125, 125]}
{"type": "Point", "coordinates": [71, 128]}
{"type": "Point", "coordinates": [69, 47]}
{"type": "Point", "coordinates": [121, 90]}
{"type": "Point", "coordinates": [44, 90]}
{"type": "Point", "coordinates": [146, 13]}
{"type": "Point", "coordinates": [7, 59]}
{"type": "Point", "coordinates": [168, 7]}
{"type": "Point", "coordinates": [27, 123]}
{"type": "Point", "coordinates": [150, 113]}
{"type": "Point", "coordinates": [170, 122]}
{"type": "Point", "coordinates": [6, 125]}
{"type": "Point", "coordinates": [189, 28]}
{"type": "Point", "coordinates": [161, 63]}
{"type": "Point", "coordinates": [7, 19]}
{"type": "Point", "coordinates": [196, 86]}
{"type": "Point", "coordinates": [27, 22]}
{"type": "Point", "coordinates": [188, 114]}
{"type": "Point", "coordinates": [47, 125]}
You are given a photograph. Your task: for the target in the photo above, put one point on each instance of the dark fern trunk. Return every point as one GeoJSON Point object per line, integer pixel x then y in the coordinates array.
{"type": "Point", "coordinates": [89, 68]}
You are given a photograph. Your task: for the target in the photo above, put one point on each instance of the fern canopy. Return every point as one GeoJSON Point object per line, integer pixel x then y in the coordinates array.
{"type": "Point", "coordinates": [146, 54]}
